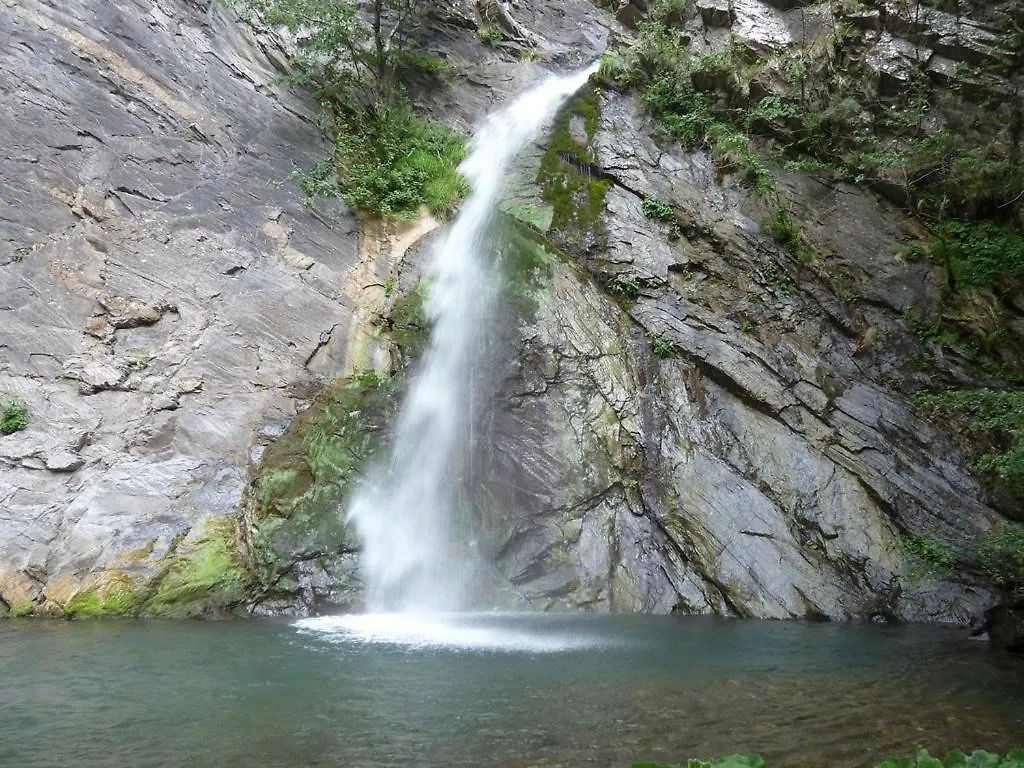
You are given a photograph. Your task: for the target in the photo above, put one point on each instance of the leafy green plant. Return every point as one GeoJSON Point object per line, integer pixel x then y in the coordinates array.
{"type": "Point", "coordinates": [387, 160]}
{"type": "Point", "coordinates": [983, 254]}
{"type": "Point", "coordinates": [663, 348]}
{"type": "Point", "coordinates": [788, 233]}
{"type": "Point", "coordinates": [657, 209]}
{"type": "Point", "coordinates": [490, 35]}
{"type": "Point", "coordinates": [929, 558]}
{"type": "Point", "coordinates": [775, 107]}
{"type": "Point", "coordinates": [392, 165]}
{"type": "Point", "coordinates": [13, 416]}
{"type": "Point", "coordinates": [1001, 554]}
{"type": "Point", "coordinates": [992, 421]}
{"type": "Point", "coordinates": [623, 287]}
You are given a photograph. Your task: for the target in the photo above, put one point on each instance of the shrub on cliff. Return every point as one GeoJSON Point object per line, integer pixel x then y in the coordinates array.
{"type": "Point", "coordinates": [356, 58]}
{"type": "Point", "coordinates": [13, 416]}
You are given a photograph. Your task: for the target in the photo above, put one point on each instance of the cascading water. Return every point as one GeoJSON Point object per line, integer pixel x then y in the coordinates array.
{"type": "Point", "coordinates": [403, 512]}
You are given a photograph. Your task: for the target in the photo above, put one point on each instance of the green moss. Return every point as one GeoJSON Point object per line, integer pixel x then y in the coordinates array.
{"type": "Point", "coordinates": [566, 176]}
{"type": "Point", "coordinates": [304, 476]}
{"type": "Point", "coordinates": [409, 328]}
{"type": "Point", "coordinates": [538, 217]}
{"type": "Point", "coordinates": [204, 577]}
{"type": "Point", "coordinates": [20, 610]}
{"type": "Point", "coordinates": [116, 599]}
{"type": "Point", "coordinates": [527, 264]}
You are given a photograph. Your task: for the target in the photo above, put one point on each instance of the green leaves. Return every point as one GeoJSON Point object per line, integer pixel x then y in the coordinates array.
{"type": "Point", "coordinates": [13, 416]}
{"type": "Point", "coordinates": [1001, 554]}
{"type": "Point", "coordinates": [993, 421]}
{"type": "Point", "coordinates": [979, 254]}
{"type": "Point", "coordinates": [386, 161]}
{"type": "Point", "coordinates": [930, 558]}
{"type": "Point", "coordinates": [393, 163]}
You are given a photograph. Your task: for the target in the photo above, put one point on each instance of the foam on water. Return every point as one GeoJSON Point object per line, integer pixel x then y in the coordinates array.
{"type": "Point", "coordinates": [458, 631]}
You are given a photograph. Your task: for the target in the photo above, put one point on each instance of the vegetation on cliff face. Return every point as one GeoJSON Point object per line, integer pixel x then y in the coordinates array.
{"type": "Point", "coordinates": [13, 416]}
{"type": "Point", "coordinates": [387, 160]}
{"type": "Point", "coordinates": [946, 150]}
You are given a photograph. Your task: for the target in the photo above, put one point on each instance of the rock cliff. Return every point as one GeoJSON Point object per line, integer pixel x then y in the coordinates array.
{"type": "Point", "coordinates": [685, 415]}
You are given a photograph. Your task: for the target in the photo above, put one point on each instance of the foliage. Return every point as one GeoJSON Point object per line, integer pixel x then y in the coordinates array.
{"type": "Point", "coordinates": [394, 163]}
{"type": "Point", "coordinates": [1001, 554]}
{"type": "Point", "coordinates": [700, 101]}
{"type": "Point", "coordinates": [663, 348]}
{"type": "Point", "coordinates": [781, 226]}
{"type": "Point", "coordinates": [929, 558]}
{"type": "Point", "coordinates": [921, 759]}
{"type": "Point", "coordinates": [658, 209]}
{"type": "Point", "coordinates": [490, 35]}
{"type": "Point", "coordinates": [347, 59]}
{"type": "Point", "coordinates": [992, 421]}
{"type": "Point", "coordinates": [821, 122]}
{"type": "Point", "coordinates": [670, 11]}
{"type": "Point", "coordinates": [978, 253]}
{"type": "Point", "coordinates": [623, 287]}
{"type": "Point", "coordinates": [13, 416]}
{"type": "Point", "coordinates": [386, 160]}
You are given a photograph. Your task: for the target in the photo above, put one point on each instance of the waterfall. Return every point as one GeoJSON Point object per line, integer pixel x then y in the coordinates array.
{"type": "Point", "coordinates": [403, 511]}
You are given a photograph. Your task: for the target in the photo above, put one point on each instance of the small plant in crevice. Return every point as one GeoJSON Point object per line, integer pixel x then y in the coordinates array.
{"type": "Point", "coordinates": [490, 35]}
{"type": "Point", "coordinates": [13, 416]}
{"type": "Point", "coordinates": [623, 287]}
{"type": "Point", "coordinates": [788, 233]}
{"type": "Point", "coordinates": [657, 209]}
{"type": "Point", "coordinates": [663, 348]}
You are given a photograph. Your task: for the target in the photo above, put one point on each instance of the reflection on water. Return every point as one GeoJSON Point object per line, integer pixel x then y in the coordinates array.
{"type": "Point", "coordinates": [556, 691]}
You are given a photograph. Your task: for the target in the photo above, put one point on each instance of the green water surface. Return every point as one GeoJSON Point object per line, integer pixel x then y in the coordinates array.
{"type": "Point", "coordinates": [253, 694]}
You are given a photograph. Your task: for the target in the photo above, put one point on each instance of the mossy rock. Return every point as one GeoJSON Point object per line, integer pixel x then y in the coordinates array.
{"type": "Point", "coordinates": [303, 478]}
{"type": "Point", "coordinates": [566, 176]}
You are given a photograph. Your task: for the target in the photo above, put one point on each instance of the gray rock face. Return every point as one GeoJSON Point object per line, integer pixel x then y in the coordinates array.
{"type": "Point", "coordinates": [729, 439]}
{"type": "Point", "coordinates": [162, 292]}
{"type": "Point", "coordinates": [759, 465]}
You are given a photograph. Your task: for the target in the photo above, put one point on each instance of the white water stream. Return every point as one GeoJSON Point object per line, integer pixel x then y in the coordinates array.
{"type": "Point", "coordinates": [403, 512]}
